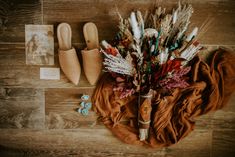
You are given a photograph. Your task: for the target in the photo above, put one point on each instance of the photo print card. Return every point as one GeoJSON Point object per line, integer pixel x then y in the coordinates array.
{"type": "Point", "coordinates": [39, 44]}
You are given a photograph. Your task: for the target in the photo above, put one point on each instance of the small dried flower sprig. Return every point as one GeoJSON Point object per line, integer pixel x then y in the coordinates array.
{"type": "Point", "coordinates": [115, 62]}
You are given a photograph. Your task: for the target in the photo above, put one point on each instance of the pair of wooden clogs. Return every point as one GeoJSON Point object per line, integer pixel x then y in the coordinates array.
{"type": "Point", "coordinates": [92, 58]}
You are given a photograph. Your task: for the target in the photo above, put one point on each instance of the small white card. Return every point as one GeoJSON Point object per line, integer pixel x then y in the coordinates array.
{"type": "Point", "coordinates": [50, 73]}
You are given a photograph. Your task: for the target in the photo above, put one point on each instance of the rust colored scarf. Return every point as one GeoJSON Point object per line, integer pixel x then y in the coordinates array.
{"type": "Point", "coordinates": [172, 116]}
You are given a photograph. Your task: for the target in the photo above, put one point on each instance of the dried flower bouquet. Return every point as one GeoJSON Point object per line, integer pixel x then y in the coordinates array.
{"type": "Point", "coordinates": [151, 53]}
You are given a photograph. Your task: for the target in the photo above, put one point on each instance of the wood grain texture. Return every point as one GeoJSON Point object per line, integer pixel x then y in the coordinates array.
{"type": "Point", "coordinates": [15, 73]}
{"type": "Point", "coordinates": [225, 118]}
{"type": "Point", "coordinates": [79, 142]}
{"type": "Point", "coordinates": [204, 121]}
{"type": "Point", "coordinates": [61, 109]}
{"type": "Point", "coordinates": [94, 142]}
{"type": "Point", "coordinates": [198, 143]}
{"type": "Point", "coordinates": [223, 143]}
{"type": "Point", "coordinates": [14, 15]}
{"type": "Point", "coordinates": [38, 117]}
{"type": "Point", "coordinates": [22, 108]}
{"type": "Point", "coordinates": [28, 76]}
{"type": "Point", "coordinates": [61, 105]}
{"type": "Point", "coordinates": [103, 14]}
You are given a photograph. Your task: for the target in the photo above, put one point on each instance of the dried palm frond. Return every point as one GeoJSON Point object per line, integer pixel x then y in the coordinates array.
{"type": "Point", "coordinates": [124, 27]}
{"type": "Point", "coordinates": [165, 28]}
{"type": "Point", "coordinates": [182, 22]}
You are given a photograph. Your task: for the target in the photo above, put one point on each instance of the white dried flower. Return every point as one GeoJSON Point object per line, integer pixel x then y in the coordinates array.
{"type": "Point", "coordinates": [174, 17]}
{"type": "Point", "coordinates": [118, 64]}
{"type": "Point", "coordinates": [134, 25]}
{"type": "Point", "coordinates": [192, 34]}
{"type": "Point", "coordinates": [163, 56]}
{"type": "Point", "coordinates": [191, 51]}
{"type": "Point", "coordinates": [150, 32]}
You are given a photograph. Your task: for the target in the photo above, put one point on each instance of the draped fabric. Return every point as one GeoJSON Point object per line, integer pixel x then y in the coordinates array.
{"type": "Point", "coordinates": [173, 114]}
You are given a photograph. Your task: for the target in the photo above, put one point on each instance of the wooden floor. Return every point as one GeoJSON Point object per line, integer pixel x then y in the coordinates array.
{"type": "Point", "coordinates": [37, 117]}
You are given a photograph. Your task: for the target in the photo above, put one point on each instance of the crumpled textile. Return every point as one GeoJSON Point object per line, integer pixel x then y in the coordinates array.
{"type": "Point", "coordinates": [173, 115]}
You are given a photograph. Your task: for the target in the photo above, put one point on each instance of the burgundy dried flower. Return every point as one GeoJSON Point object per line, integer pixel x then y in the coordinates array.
{"type": "Point", "coordinates": [127, 93]}
{"type": "Point", "coordinates": [177, 80]}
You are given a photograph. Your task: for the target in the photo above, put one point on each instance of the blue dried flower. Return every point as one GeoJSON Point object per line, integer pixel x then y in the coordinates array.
{"type": "Point", "coordinates": [85, 97]}
{"type": "Point", "coordinates": [84, 111]}
{"type": "Point", "coordinates": [88, 105]}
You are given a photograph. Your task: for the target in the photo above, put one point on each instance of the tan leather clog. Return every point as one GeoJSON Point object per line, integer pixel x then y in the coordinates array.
{"type": "Point", "coordinates": [92, 58]}
{"type": "Point", "coordinates": [68, 58]}
{"type": "Point", "coordinates": [92, 64]}
{"type": "Point", "coordinates": [90, 33]}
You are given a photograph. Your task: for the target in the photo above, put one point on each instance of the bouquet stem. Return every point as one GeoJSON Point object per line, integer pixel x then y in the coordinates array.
{"type": "Point", "coordinates": [144, 114]}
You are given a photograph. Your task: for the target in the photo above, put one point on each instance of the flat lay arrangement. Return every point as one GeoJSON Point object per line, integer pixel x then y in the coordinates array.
{"type": "Point", "coordinates": [150, 81]}
{"type": "Point", "coordinates": [153, 76]}
{"type": "Point", "coordinates": [117, 78]}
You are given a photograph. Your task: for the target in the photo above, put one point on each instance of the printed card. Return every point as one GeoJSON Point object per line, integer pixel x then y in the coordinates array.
{"type": "Point", "coordinates": [50, 73]}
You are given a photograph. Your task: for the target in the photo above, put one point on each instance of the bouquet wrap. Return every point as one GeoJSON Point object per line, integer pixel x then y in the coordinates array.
{"type": "Point", "coordinates": [144, 117]}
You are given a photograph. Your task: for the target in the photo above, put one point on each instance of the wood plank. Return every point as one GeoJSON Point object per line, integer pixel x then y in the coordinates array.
{"type": "Point", "coordinates": [103, 13]}
{"type": "Point", "coordinates": [22, 108]}
{"type": "Point", "coordinates": [61, 103]}
{"type": "Point", "coordinates": [28, 77]}
{"type": "Point", "coordinates": [223, 143]}
{"type": "Point", "coordinates": [14, 15]}
{"type": "Point", "coordinates": [15, 73]}
{"type": "Point", "coordinates": [204, 121]}
{"type": "Point", "coordinates": [94, 142]}
{"type": "Point", "coordinates": [70, 142]}
{"type": "Point", "coordinates": [225, 118]}
{"type": "Point", "coordinates": [12, 54]}
{"type": "Point", "coordinates": [34, 124]}
{"type": "Point", "coordinates": [197, 143]}
{"type": "Point", "coordinates": [61, 106]}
